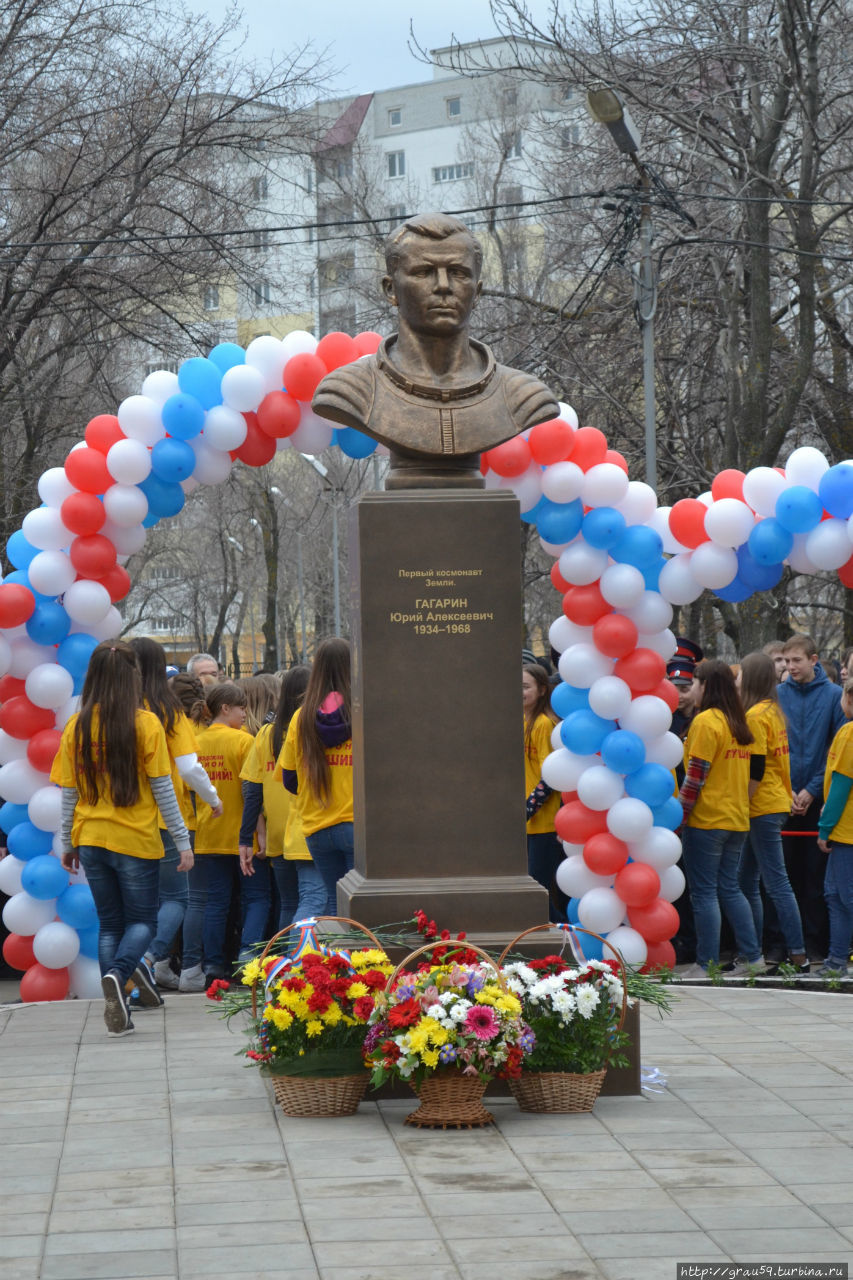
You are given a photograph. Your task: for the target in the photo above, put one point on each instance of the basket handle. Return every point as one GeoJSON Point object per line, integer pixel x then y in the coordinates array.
{"type": "Point", "coordinates": [430, 946]}
{"type": "Point", "coordinates": [337, 919]}
{"type": "Point", "coordinates": [576, 928]}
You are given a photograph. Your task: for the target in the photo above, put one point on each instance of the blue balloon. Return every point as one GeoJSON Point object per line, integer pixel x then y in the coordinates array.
{"type": "Point", "coordinates": [651, 574]}
{"type": "Point", "coordinates": [49, 623]}
{"type": "Point", "coordinates": [12, 814]}
{"type": "Point", "coordinates": [172, 460]}
{"type": "Point", "coordinates": [532, 514]}
{"type": "Point", "coordinates": [583, 732]}
{"type": "Point", "coordinates": [651, 783]}
{"type": "Point", "coordinates": [150, 520]}
{"type": "Point", "coordinates": [669, 814]}
{"type": "Point", "coordinates": [592, 948]}
{"type": "Point", "coordinates": [183, 416]}
{"type": "Point", "coordinates": [638, 546]}
{"type": "Point", "coordinates": [201, 379]}
{"type": "Point", "coordinates": [572, 911]}
{"type": "Point", "coordinates": [44, 877]}
{"type": "Point", "coordinates": [770, 542]}
{"type": "Point", "coordinates": [735, 592]}
{"type": "Point", "coordinates": [798, 509]}
{"type": "Point", "coordinates": [560, 521]}
{"type": "Point", "coordinates": [603, 527]}
{"type": "Point", "coordinates": [19, 551]}
{"type": "Point", "coordinates": [76, 907]}
{"type": "Point", "coordinates": [761, 577]}
{"type": "Point", "coordinates": [88, 937]}
{"type": "Point", "coordinates": [835, 491]}
{"type": "Point", "coordinates": [26, 841]}
{"type": "Point", "coordinates": [226, 355]}
{"type": "Point", "coordinates": [355, 444]}
{"type": "Point", "coordinates": [565, 699]}
{"type": "Point", "coordinates": [164, 499]}
{"type": "Point", "coordinates": [623, 751]}
{"type": "Point", "coordinates": [21, 576]}
{"type": "Point", "coordinates": [75, 651]}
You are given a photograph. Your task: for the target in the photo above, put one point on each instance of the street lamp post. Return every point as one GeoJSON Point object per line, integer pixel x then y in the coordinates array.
{"type": "Point", "coordinates": [300, 577]}
{"type": "Point", "coordinates": [323, 473]}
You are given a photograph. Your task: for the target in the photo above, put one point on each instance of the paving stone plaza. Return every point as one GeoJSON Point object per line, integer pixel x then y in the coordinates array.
{"type": "Point", "coordinates": [161, 1155]}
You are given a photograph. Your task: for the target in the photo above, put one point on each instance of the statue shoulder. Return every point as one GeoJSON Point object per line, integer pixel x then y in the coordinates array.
{"type": "Point", "coordinates": [346, 395]}
{"type": "Point", "coordinates": [529, 400]}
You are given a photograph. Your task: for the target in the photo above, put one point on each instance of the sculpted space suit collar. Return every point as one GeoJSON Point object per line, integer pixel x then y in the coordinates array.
{"type": "Point", "coordinates": [444, 395]}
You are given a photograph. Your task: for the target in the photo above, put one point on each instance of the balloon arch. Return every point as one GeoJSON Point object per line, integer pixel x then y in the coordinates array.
{"type": "Point", "coordinates": [621, 563]}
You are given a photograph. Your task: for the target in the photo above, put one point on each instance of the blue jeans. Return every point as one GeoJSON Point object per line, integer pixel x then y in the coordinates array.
{"type": "Point", "coordinates": [333, 855]}
{"type": "Point", "coordinates": [255, 897]}
{"type": "Point", "coordinates": [764, 858]}
{"type": "Point", "coordinates": [711, 863]}
{"type": "Point", "coordinates": [211, 881]}
{"type": "Point", "coordinates": [301, 890]}
{"type": "Point", "coordinates": [174, 896]}
{"type": "Point", "coordinates": [125, 893]}
{"type": "Point", "coordinates": [544, 855]}
{"type": "Point", "coordinates": [838, 887]}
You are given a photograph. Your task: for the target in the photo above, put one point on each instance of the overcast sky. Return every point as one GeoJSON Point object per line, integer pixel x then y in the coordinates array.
{"type": "Point", "coordinates": [367, 41]}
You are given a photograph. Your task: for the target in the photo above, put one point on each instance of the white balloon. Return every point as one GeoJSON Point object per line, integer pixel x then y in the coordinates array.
{"type": "Point", "coordinates": [798, 557]}
{"type": "Point", "coordinates": [568, 414]}
{"type": "Point", "coordinates": [707, 497]}
{"type": "Point", "coordinates": [224, 428]}
{"type": "Point", "coordinates": [572, 850]}
{"type": "Point", "coordinates": [672, 884]}
{"type": "Point", "coordinates": [25, 915]}
{"type": "Point", "coordinates": [610, 698]}
{"type": "Point", "coordinates": [605, 485]}
{"type": "Point", "coordinates": [48, 685]}
{"type": "Point", "coordinates": [51, 572]}
{"type": "Point", "coordinates": [313, 435]}
{"type": "Point", "coordinates": [582, 664]}
{"type": "Point", "coordinates": [806, 466]}
{"type": "Point", "coordinates": [129, 461]}
{"type": "Point", "coordinates": [659, 521]}
{"type": "Point", "coordinates": [45, 808]}
{"type": "Point", "coordinates": [109, 626]}
{"type": "Point", "coordinates": [556, 740]}
{"type": "Point", "coordinates": [649, 717]}
{"type": "Point", "coordinates": [552, 549]}
{"type": "Point", "coordinates": [828, 544]}
{"type": "Point", "coordinates": [56, 945]}
{"type": "Point", "coordinates": [729, 522]}
{"type": "Point", "coordinates": [127, 539]}
{"type": "Point", "coordinates": [761, 489]}
{"type": "Point", "coordinates": [87, 601]}
{"type": "Point", "coordinates": [125, 504]}
{"type": "Point", "coordinates": [10, 875]}
{"type": "Point", "coordinates": [660, 848]}
{"type": "Point", "coordinates": [639, 504]}
{"type": "Point", "coordinates": [662, 642]}
{"type": "Point", "coordinates": [629, 819]}
{"type": "Point", "coordinates": [559, 635]}
{"type": "Point", "coordinates": [575, 878]}
{"type": "Point", "coordinates": [26, 655]}
{"type": "Point", "coordinates": [266, 354]}
{"type": "Point", "coordinates": [527, 487]}
{"type": "Point", "coordinates": [189, 485]}
{"type": "Point", "coordinates": [713, 565]}
{"type": "Point", "coordinates": [11, 748]}
{"type": "Point", "coordinates": [581, 564]}
{"type": "Point", "coordinates": [599, 787]}
{"type": "Point", "coordinates": [622, 585]}
{"type": "Point", "coordinates": [43, 528]}
{"type": "Point", "coordinates": [84, 978]}
{"type": "Point", "coordinates": [243, 388]}
{"type": "Point", "coordinates": [562, 769]}
{"type": "Point", "coordinates": [140, 420]}
{"type": "Point", "coordinates": [601, 910]}
{"type": "Point", "coordinates": [630, 945]}
{"type": "Point", "coordinates": [576, 634]}
{"type": "Point", "coordinates": [54, 487]}
{"type": "Point", "coordinates": [212, 466]}
{"type": "Point", "coordinates": [562, 482]}
{"type": "Point", "coordinates": [298, 342]}
{"type": "Point", "coordinates": [5, 655]}
{"type": "Point", "coordinates": [676, 583]}
{"type": "Point", "coordinates": [160, 386]}
{"type": "Point", "coordinates": [667, 750]}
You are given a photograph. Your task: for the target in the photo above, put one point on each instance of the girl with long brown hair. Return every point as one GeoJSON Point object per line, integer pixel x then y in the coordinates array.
{"type": "Point", "coordinates": [544, 850]}
{"type": "Point", "coordinates": [316, 763]}
{"type": "Point", "coordinates": [715, 800]}
{"type": "Point", "coordinates": [114, 770]}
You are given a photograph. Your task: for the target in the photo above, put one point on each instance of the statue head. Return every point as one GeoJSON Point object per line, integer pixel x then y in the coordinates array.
{"type": "Point", "coordinates": [429, 226]}
{"type": "Point", "coordinates": [433, 278]}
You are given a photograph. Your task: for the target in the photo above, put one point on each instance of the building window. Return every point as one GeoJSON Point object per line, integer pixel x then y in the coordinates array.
{"type": "Point", "coordinates": [511, 143]}
{"type": "Point", "coordinates": [155, 366]}
{"type": "Point", "coordinates": [396, 164]}
{"type": "Point", "coordinates": [395, 117]}
{"type": "Point", "coordinates": [211, 297]}
{"type": "Point", "coordinates": [397, 212]}
{"type": "Point", "coordinates": [509, 96]}
{"type": "Point", "coordinates": [260, 188]}
{"type": "Point", "coordinates": [261, 293]}
{"type": "Point", "coordinates": [259, 238]}
{"type": "Point", "coordinates": [450, 172]}
{"type": "Point", "coordinates": [568, 93]}
{"type": "Point", "coordinates": [336, 272]}
{"type": "Point", "coordinates": [570, 135]}
{"type": "Point", "coordinates": [309, 181]}
{"type": "Point", "coordinates": [454, 108]}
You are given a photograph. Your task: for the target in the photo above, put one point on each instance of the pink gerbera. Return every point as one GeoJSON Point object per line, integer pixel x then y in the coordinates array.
{"type": "Point", "coordinates": [482, 1021]}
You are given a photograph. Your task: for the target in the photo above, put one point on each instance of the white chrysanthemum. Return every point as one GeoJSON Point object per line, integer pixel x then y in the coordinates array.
{"type": "Point", "coordinates": [588, 999]}
{"type": "Point", "coordinates": [459, 1010]}
{"type": "Point", "coordinates": [447, 997]}
{"type": "Point", "coordinates": [564, 1002]}
{"type": "Point", "coordinates": [547, 987]}
{"type": "Point", "coordinates": [516, 986]}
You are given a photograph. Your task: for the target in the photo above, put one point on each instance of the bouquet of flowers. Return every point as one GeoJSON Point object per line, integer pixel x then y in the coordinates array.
{"type": "Point", "coordinates": [454, 1015]}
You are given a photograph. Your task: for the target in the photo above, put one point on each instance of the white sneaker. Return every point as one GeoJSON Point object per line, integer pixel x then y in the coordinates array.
{"type": "Point", "coordinates": [693, 973]}
{"type": "Point", "coordinates": [165, 975]}
{"type": "Point", "coordinates": [192, 979]}
{"type": "Point", "coordinates": [742, 968]}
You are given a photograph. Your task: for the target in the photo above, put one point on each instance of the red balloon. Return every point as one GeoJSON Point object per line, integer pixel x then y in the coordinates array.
{"type": "Point", "coordinates": [614, 456]}
{"type": "Point", "coordinates": [557, 579]}
{"type": "Point", "coordinates": [728, 484]}
{"type": "Point", "coordinates": [687, 522]}
{"type": "Point", "coordinates": [278, 415]}
{"type": "Point", "coordinates": [83, 513]}
{"type": "Point", "coordinates": [589, 447]}
{"type": "Point", "coordinates": [17, 603]}
{"type": "Point", "coordinates": [668, 692]}
{"type": "Point", "coordinates": [575, 823]}
{"type": "Point", "coordinates": [641, 670]}
{"type": "Point", "coordinates": [551, 441]}
{"type": "Point", "coordinates": [92, 555]}
{"type": "Point", "coordinates": [40, 984]}
{"type": "Point", "coordinates": [116, 581]}
{"type": "Point", "coordinates": [87, 470]}
{"type": "Point", "coordinates": [637, 884]}
{"type": "Point", "coordinates": [660, 955]}
{"type": "Point", "coordinates": [21, 718]}
{"type": "Point", "coordinates": [615, 635]}
{"type": "Point", "coordinates": [302, 375]}
{"type": "Point", "coordinates": [42, 748]}
{"type": "Point", "coordinates": [336, 349]}
{"type": "Point", "coordinates": [18, 952]}
{"type": "Point", "coordinates": [845, 573]}
{"type": "Point", "coordinates": [11, 687]}
{"type": "Point", "coordinates": [656, 922]}
{"type": "Point", "coordinates": [604, 854]}
{"type": "Point", "coordinates": [585, 605]}
{"type": "Point", "coordinates": [568, 796]}
{"type": "Point", "coordinates": [512, 458]}
{"type": "Point", "coordinates": [103, 432]}
{"type": "Point", "coordinates": [367, 343]}
{"type": "Point", "coordinates": [258, 448]}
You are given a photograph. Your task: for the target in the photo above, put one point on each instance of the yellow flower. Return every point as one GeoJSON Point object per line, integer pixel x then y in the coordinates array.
{"type": "Point", "coordinates": [356, 989]}
{"type": "Point", "coordinates": [332, 1016]}
{"type": "Point", "coordinates": [251, 973]}
{"type": "Point", "coordinates": [419, 1036]}
{"type": "Point", "coordinates": [370, 959]}
{"type": "Point", "coordinates": [439, 1036]}
{"type": "Point", "coordinates": [509, 1004]}
{"type": "Point", "coordinates": [314, 1027]}
{"type": "Point", "coordinates": [282, 1019]}
{"type": "Point", "coordinates": [429, 1057]}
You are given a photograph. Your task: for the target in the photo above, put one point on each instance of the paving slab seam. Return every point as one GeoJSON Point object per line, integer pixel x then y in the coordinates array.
{"type": "Point", "coordinates": [46, 1234]}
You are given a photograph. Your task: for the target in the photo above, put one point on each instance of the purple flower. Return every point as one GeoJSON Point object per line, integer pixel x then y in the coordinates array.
{"type": "Point", "coordinates": [447, 1054]}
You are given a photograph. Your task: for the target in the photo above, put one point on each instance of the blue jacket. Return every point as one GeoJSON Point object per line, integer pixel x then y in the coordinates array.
{"type": "Point", "coordinates": [814, 716]}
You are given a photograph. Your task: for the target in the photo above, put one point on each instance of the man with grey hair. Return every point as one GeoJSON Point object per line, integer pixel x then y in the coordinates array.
{"type": "Point", "coordinates": [206, 667]}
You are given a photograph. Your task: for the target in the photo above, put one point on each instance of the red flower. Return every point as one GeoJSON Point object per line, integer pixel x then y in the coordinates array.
{"type": "Point", "coordinates": [390, 1051]}
{"type": "Point", "coordinates": [363, 1007]}
{"type": "Point", "coordinates": [445, 935]}
{"type": "Point", "coordinates": [217, 986]}
{"type": "Point", "coordinates": [268, 963]}
{"type": "Point", "coordinates": [319, 1002]}
{"type": "Point", "coordinates": [373, 979]}
{"type": "Point", "coordinates": [405, 1014]}
{"type": "Point", "coordinates": [294, 984]}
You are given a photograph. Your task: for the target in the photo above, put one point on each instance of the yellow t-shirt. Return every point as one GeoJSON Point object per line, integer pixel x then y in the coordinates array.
{"type": "Point", "coordinates": [723, 802]}
{"type": "Point", "coordinates": [181, 742]}
{"type": "Point", "coordinates": [768, 728]}
{"type": "Point", "coordinates": [316, 813]}
{"type": "Point", "coordinates": [840, 760]}
{"type": "Point", "coordinates": [133, 829]}
{"type": "Point", "coordinates": [222, 750]}
{"type": "Point", "coordinates": [284, 827]}
{"type": "Point", "coordinates": [537, 747]}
